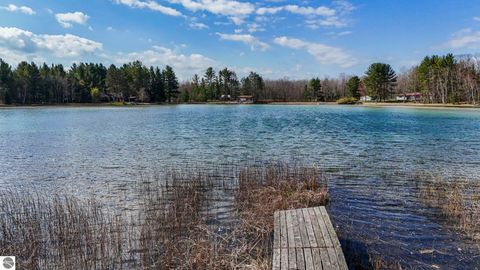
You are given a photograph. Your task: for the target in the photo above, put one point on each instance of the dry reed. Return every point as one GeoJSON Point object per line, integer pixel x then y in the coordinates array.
{"type": "Point", "coordinates": [458, 200]}
{"type": "Point", "coordinates": [174, 228]}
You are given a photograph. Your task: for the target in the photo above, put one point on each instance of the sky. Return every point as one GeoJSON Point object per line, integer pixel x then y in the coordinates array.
{"type": "Point", "coordinates": [276, 38]}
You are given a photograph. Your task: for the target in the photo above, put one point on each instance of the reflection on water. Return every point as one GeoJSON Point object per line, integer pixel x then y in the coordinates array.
{"type": "Point", "coordinates": [370, 154]}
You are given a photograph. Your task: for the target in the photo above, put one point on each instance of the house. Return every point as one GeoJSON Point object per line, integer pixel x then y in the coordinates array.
{"type": "Point", "coordinates": [365, 98]}
{"type": "Point", "coordinates": [225, 98]}
{"type": "Point", "coordinates": [412, 97]}
{"type": "Point", "coordinates": [246, 99]}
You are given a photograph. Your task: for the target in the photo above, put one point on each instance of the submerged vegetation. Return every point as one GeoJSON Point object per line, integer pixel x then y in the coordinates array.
{"type": "Point", "coordinates": [457, 200]}
{"type": "Point", "coordinates": [175, 227]}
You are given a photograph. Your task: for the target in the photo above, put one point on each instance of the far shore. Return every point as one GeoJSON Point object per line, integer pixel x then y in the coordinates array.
{"type": "Point", "coordinates": [385, 104]}
{"type": "Point", "coordinates": [307, 103]}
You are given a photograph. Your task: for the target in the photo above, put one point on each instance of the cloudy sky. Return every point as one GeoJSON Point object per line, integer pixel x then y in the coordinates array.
{"type": "Point", "coordinates": [277, 38]}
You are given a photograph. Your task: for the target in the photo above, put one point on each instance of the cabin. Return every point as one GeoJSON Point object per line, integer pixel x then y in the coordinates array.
{"type": "Point", "coordinates": [225, 98]}
{"type": "Point", "coordinates": [411, 97]}
{"type": "Point", "coordinates": [365, 98]}
{"type": "Point", "coordinates": [246, 99]}
{"type": "Point", "coordinates": [132, 99]}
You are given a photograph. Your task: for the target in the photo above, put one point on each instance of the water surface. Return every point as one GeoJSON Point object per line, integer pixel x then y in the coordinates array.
{"type": "Point", "coordinates": [371, 156]}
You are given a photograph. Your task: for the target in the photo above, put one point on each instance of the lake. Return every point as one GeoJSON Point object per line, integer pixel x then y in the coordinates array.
{"type": "Point", "coordinates": [370, 155]}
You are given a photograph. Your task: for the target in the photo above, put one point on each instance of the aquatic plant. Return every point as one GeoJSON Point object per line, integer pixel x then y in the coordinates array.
{"type": "Point", "coordinates": [458, 200]}
{"type": "Point", "coordinates": [175, 226]}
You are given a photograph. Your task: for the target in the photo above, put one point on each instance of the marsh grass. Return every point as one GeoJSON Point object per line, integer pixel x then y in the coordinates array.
{"type": "Point", "coordinates": [264, 190]}
{"type": "Point", "coordinates": [54, 232]}
{"type": "Point", "coordinates": [458, 200]}
{"type": "Point", "coordinates": [175, 227]}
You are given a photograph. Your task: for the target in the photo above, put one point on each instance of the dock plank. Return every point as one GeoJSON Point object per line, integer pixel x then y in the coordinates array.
{"type": "Point", "coordinates": [305, 239]}
{"type": "Point", "coordinates": [300, 259]}
{"type": "Point", "coordinates": [296, 230]}
{"type": "Point", "coordinates": [308, 224]}
{"type": "Point", "coordinates": [302, 228]}
{"type": "Point", "coordinates": [276, 259]}
{"type": "Point", "coordinates": [276, 230]}
{"type": "Point", "coordinates": [284, 259]}
{"type": "Point", "coordinates": [283, 231]}
{"type": "Point", "coordinates": [333, 236]}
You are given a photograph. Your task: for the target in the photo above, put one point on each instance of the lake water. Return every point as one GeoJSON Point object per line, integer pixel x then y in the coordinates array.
{"type": "Point", "coordinates": [371, 156]}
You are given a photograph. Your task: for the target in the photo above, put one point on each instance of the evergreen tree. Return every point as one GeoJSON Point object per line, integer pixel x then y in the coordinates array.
{"type": "Point", "coordinates": [353, 86]}
{"type": "Point", "coordinates": [253, 85]}
{"type": "Point", "coordinates": [316, 89]}
{"type": "Point", "coordinates": [6, 83]}
{"type": "Point", "coordinates": [171, 84]}
{"type": "Point", "coordinates": [380, 80]}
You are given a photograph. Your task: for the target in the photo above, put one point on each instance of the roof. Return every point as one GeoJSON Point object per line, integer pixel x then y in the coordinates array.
{"type": "Point", "coordinates": [414, 94]}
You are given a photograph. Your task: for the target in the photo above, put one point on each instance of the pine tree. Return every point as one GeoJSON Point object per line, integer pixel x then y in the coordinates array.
{"type": "Point", "coordinates": [380, 80]}
{"type": "Point", "coordinates": [171, 84]}
{"type": "Point", "coordinates": [353, 85]}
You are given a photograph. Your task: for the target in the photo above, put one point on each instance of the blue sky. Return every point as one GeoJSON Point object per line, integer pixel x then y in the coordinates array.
{"type": "Point", "coordinates": [277, 38]}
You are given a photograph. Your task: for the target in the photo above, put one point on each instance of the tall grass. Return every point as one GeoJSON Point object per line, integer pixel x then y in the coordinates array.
{"type": "Point", "coordinates": [55, 232]}
{"type": "Point", "coordinates": [458, 200]}
{"type": "Point", "coordinates": [174, 228]}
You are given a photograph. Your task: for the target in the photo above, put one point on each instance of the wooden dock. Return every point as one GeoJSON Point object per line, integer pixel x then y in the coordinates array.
{"type": "Point", "coordinates": [305, 239]}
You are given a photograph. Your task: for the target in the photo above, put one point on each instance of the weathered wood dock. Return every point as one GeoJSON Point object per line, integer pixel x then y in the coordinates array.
{"type": "Point", "coordinates": [305, 239]}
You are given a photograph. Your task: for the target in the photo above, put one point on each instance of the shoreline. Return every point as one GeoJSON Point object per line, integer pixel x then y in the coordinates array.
{"type": "Point", "coordinates": [295, 103]}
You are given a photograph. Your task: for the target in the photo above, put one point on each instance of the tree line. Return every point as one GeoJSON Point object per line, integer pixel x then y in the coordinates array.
{"type": "Point", "coordinates": [438, 79]}
{"type": "Point", "coordinates": [85, 83]}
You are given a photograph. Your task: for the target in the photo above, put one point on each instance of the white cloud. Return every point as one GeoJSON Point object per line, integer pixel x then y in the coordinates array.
{"type": "Point", "coordinates": [465, 38]}
{"type": "Point", "coordinates": [255, 27]}
{"type": "Point", "coordinates": [220, 7]}
{"type": "Point", "coordinates": [31, 44]}
{"type": "Point", "coordinates": [183, 64]}
{"type": "Point", "coordinates": [150, 4]}
{"type": "Point", "coordinates": [476, 19]}
{"type": "Point", "coordinates": [197, 25]}
{"type": "Point", "coordinates": [67, 20]}
{"type": "Point", "coordinates": [14, 8]}
{"type": "Point", "coordinates": [332, 21]}
{"type": "Point", "coordinates": [320, 11]}
{"type": "Point", "coordinates": [340, 34]}
{"type": "Point", "coordinates": [321, 16]}
{"type": "Point", "coordinates": [269, 10]}
{"type": "Point", "coordinates": [323, 53]}
{"type": "Point", "coordinates": [236, 11]}
{"type": "Point", "coordinates": [248, 39]}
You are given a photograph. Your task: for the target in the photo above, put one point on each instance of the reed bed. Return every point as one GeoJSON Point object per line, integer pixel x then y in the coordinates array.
{"type": "Point", "coordinates": [264, 190]}
{"type": "Point", "coordinates": [176, 226]}
{"type": "Point", "coordinates": [458, 200]}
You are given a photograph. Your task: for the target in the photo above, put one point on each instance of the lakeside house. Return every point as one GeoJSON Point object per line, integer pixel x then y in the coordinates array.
{"type": "Point", "coordinates": [412, 97]}
{"type": "Point", "coordinates": [246, 99]}
{"type": "Point", "coordinates": [225, 98]}
{"type": "Point", "coordinates": [111, 97]}
{"type": "Point", "coordinates": [365, 98]}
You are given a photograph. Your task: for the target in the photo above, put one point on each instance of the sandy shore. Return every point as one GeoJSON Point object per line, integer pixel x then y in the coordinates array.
{"type": "Point", "coordinates": [366, 104]}
{"type": "Point", "coordinates": [385, 104]}
{"type": "Point", "coordinates": [419, 105]}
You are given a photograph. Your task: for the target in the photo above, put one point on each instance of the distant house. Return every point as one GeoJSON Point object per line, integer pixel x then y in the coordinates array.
{"type": "Point", "coordinates": [225, 98]}
{"type": "Point", "coordinates": [246, 99]}
{"type": "Point", "coordinates": [365, 98]}
{"type": "Point", "coordinates": [411, 97]}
